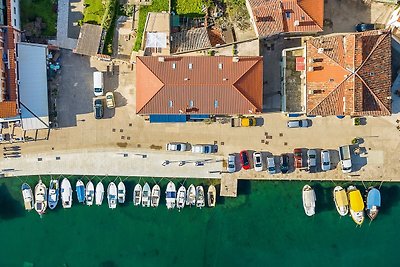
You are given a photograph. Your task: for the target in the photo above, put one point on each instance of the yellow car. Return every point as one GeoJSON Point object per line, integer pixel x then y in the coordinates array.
{"type": "Point", "coordinates": [110, 100]}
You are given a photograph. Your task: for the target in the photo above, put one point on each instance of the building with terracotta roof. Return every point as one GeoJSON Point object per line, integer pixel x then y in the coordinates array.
{"type": "Point", "coordinates": [349, 74]}
{"type": "Point", "coordinates": [271, 17]}
{"type": "Point", "coordinates": [199, 85]}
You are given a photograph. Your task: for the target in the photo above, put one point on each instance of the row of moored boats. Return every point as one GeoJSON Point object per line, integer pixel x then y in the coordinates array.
{"type": "Point", "coordinates": [89, 194]}
{"type": "Point", "coordinates": [345, 202]}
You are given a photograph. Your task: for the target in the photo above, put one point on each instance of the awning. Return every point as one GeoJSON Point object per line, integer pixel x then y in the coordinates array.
{"type": "Point", "coordinates": [167, 118]}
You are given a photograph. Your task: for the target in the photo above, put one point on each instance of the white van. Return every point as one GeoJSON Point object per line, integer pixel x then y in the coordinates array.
{"type": "Point", "coordinates": [98, 84]}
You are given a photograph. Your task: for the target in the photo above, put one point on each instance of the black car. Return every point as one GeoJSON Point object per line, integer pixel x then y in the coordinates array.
{"type": "Point", "coordinates": [98, 108]}
{"type": "Point", "coordinates": [363, 27]}
{"type": "Point", "coordinates": [284, 163]}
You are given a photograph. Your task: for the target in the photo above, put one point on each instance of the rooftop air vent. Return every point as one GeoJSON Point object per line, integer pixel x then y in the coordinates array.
{"type": "Point", "coordinates": [225, 79]}
{"type": "Point", "coordinates": [220, 66]}
{"type": "Point", "coordinates": [296, 23]}
{"type": "Point", "coordinates": [190, 66]}
{"type": "Point", "coordinates": [174, 65]}
{"type": "Point", "coordinates": [235, 59]}
{"type": "Point", "coordinates": [311, 68]}
{"type": "Point", "coordinates": [186, 79]}
{"type": "Point", "coordinates": [320, 50]}
{"type": "Point", "coordinates": [161, 59]}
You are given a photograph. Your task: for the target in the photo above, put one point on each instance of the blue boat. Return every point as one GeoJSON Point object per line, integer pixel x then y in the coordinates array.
{"type": "Point", "coordinates": [80, 191]}
{"type": "Point", "coordinates": [54, 192]}
{"type": "Point", "coordinates": [373, 202]}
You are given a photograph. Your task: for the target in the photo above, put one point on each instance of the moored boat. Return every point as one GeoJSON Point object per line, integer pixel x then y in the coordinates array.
{"type": "Point", "coordinates": [99, 194]}
{"type": "Point", "coordinates": [181, 198]}
{"type": "Point", "coordinates": [155, 195]}
{"type": "Point", "coordinates": [54, 192]}
{"type": "Point", "coordinates": [191, 195]}
{"type": "Point", "coordinates": [200, 201]}
{"type": "Point", "coordinates": [89, 193]}
{"type": "Point", "coordinates": [121, 192]}
{"type": "Point", "coordinates": [373, 202]}
{"type": "Point", "coordinates": [40, 198]}
{"type": "Point", "coordinates": [211, 196]}
{"type": "Point", "coordinates": [137, 195]}
{"type": "Point", "coordinates": [341, 200]}
{"type": "Point", "coordinates": [80, 191]}
{"type": "Point", "coordinates": [170, 195]}
{"type": "Point", "coordinates": [146, 193]}
{"type": "Point", "coordinates": [309, 199]}
{"type": "Point", "coordinates": [27, 195]}
{"type": "Point", "coordinates": [66, 194]}
{"type": "Point", "coordinates": [356, 204]}
{"type": "Point", "coordinates": [112, 195]}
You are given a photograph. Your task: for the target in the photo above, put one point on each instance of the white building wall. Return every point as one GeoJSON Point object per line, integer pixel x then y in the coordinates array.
{"type": "Point", "coordinates": [15, 14]}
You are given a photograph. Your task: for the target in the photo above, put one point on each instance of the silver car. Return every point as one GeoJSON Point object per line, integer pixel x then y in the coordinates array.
{"type": "Point", "coordinates": [271, 165]}
{"type": "Point", "coordinates": [312, 158]}
{"type": "Point", "coordinates": [204, 148]}
{"type": "Point", "coordinates": [176, 146]}
{"type": "Point", "coordinates": [298, 123]}
{"type": "Point", "coordinates": [231, 163]}
{"type": "Point", "coordinates": [258, 162]}
{"type": "Point", "coordinates": [325, 160]}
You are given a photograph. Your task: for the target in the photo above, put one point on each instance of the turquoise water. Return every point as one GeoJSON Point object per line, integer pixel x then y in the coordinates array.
{"type": "Point", "coordinates": [264, 226]}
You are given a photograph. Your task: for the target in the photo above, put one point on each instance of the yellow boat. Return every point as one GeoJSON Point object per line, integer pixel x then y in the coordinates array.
{"type": "Point", "coordinates": [356, 204]}
{"type": "Point", "coordinates": [341, 200]}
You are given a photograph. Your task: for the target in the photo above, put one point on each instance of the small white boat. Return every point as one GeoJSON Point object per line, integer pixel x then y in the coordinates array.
{"type": "Point", "coordinates": [137, 195]}
{"type": "Point", "coordinates": [356, 204]}
{"type": "Point", "coordinates": [170, 195]}
{"type": "Point", "coordinates": [191, 195]}
{"type": "Point", "coordinates": [181, 198]}
{"type": "Point", "coordinates": [66, 193]}
{"type": "Point", "coordinates": [309, 199]}
{"type": "Point", "coordinates": [146, 195]}
{"type": "Point", "coordinates": [27, 195]}
{"type": "Point", "coordinates": [40, 198]}
{"type": "Point", "coordinates": [112, 195]}
{"type": "Point", "coordinates": [89, 193]}
{"type": "Point", "coordinates": [211, 196]}
{"type": "Point", "coordinates": [341, 200]}
{"type": "Point", "coordinates": [99, 195]}
{"type": "Point", "coordinates": [200, 201]}
{"type": "Point", "coordinates": [121, 192]}
{"type": "Point", "coordinates": [54, 192]}
{"type": "Point", "coordinates": [155, 195]}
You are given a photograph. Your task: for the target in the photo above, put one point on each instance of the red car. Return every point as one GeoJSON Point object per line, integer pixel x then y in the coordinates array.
{"type": "Point", "coordinates": [244, 159]}
{"type": "Point", "coordinates": [298, 158]}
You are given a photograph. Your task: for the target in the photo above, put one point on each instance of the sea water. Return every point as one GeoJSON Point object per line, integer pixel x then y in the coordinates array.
{"type": "Point", "coordinates": [264, 226]}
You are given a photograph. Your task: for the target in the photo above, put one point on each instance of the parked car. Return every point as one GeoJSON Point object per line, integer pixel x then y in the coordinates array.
{"type": "Point", "coordinates": [363, 27]}
{"type": "Point", "coordinates": [231, 163]}
{"type": "Point", "coordinates": [298, 123]}
{"type": "Point", "coordinates": [177, 146]}
{"type": "Point", "coordinates": [244, 159]}
{"type": "Point", "coordinates": [312, 159]}
{"type": "Point", "coordinates": [271, 165]}
{"type": "Point", "coordinates": [204, 148]}
{"type": "Point", "coordinates": [298, 158]}
{"type": "Point", "coordinates": [284, 163]}
{"type": "Point", "coordinates": [258, 163]}
{"type": "Point", "coordinates": [98, 108]}
{"type": "Point", "coordinates": [110, 101]}
{"type": "Point", "coordinates": [325, 160]}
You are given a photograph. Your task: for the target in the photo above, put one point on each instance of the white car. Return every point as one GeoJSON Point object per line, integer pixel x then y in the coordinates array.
{"type": "Point", "coordinates": [231, 163]}
{"type": "Point", "coordinates": [176, 146]}
{"type": "Point", "coordinates": [204, 149]}
{"type": "Point", "coordinates": [110, 101]}
{"type": "Point", "coordinates": [325, 160]}
{"type": "Point", "coordinates": [258, 163]}
{"type": "Point", "coordinates": [271, 165]}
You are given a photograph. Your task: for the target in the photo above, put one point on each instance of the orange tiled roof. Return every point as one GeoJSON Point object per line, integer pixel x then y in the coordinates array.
{"type": "Point", "coordinates": [8, 109]}
{"type": "Point", "coordinates": [349, 74]}
{"type": "Point", "coordinates": [200, 85]}
{"type": "Point", "coordinates": [276, 16]}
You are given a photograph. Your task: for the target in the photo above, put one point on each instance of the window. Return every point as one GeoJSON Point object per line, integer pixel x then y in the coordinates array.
{"type": "Point", "coordinates": [170, 103]}
{"type": "Point", "coordinates": [15, 10]}
{"type": "Point", "coordinates": [287, 13]}
{"type": "Point", "coordinates": [215, 103]}
{"type": "Point", "coordinates": [15, 22]}
{"type": "Point", "coordinates": [191, 103]}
